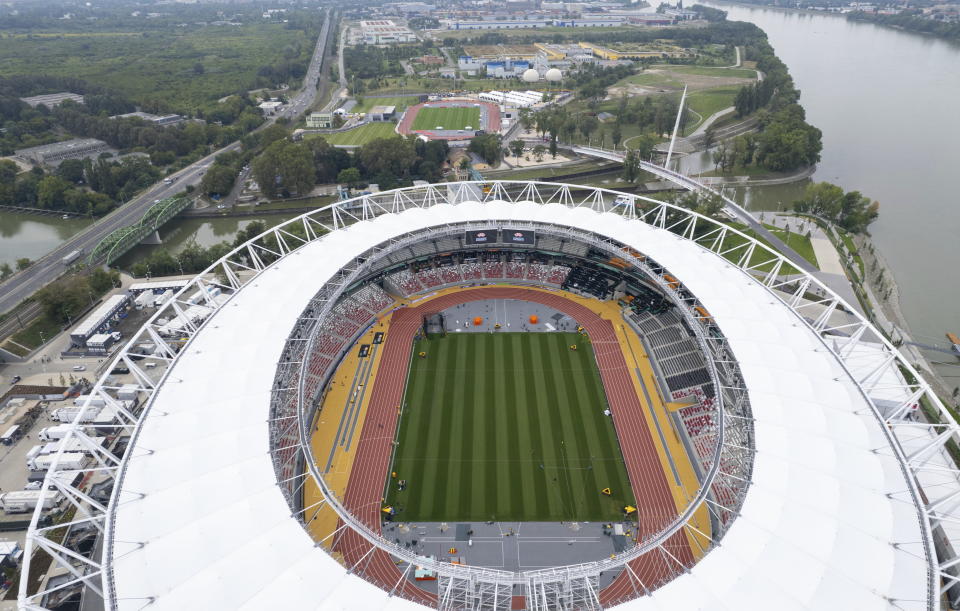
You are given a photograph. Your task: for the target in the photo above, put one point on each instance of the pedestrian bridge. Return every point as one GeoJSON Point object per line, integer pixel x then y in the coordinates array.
{"type": "Point", "coordinates": [690, 184]}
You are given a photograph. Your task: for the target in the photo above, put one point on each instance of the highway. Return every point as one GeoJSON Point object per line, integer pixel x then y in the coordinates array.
{"type": "Point", "coordinates": [51, 266]}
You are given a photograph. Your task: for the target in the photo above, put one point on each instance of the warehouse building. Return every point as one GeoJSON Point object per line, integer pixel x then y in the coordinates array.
{"type": "Point", "coordinates": [52, 99]}
{"type": "Point", "coordinates": [54, 154]}
{"type": "Point", "coordinates": [161, 120]}
{"type": "Point", "coordinates": [99, 320]}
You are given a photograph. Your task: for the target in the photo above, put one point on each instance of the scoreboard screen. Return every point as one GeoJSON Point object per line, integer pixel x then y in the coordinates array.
{"type": "Point", "coordinates": [519, 236]}
{"type": "Point", "coordinates": [481, 236]}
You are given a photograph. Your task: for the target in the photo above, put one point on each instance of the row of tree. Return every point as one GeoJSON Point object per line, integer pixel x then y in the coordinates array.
{"type": "Point", "coordinates": [287, 168]}
{"type": "Point", "coordinates": [194, 258]}
{"type": "Point", "coordinates": [785, 141]}
{"type": "Point", "coordinates": [65, 299]}
{"type": "Point", "coordinates": [849, 210]}
{"type": "Point", "coordinates": [88, 187]}
{"type": "Point", "coordinates": [912, 20]}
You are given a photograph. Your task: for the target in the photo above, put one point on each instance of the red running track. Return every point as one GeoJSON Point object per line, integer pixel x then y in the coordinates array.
{"type": "Point", "coordinates": [365, 487]}
{"type": "Point", "coordinates": [492, 124]}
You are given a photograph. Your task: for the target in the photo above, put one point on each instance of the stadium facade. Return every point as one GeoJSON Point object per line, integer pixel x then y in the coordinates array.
{"type": "Point", "coordinates": [825, 487]}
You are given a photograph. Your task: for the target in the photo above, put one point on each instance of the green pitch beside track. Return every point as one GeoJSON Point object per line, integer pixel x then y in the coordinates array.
{"type": "Point", "coordinates": [509, 427]}
{"type": "Point", "coordinates": [449, 117]}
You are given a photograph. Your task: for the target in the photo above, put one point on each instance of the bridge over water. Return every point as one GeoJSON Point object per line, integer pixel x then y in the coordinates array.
{"type": "Point", "coordinates": [119, 241]}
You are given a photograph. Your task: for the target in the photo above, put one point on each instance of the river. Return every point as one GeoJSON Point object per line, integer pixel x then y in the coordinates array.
{"type": "Point", "coordinates": [33, 236]}
{"type": "Point", "coordinates": [887, 103]}
{"type": "Point", "coordinates": [180, 232]}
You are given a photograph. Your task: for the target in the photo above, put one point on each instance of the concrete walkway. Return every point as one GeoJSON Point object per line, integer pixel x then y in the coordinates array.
{"type": "Point", "coordinates": [831, 271]}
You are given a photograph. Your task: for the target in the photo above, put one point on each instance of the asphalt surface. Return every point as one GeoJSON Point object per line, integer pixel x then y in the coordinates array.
{"type": "Point", "coordinates": [51, 266]}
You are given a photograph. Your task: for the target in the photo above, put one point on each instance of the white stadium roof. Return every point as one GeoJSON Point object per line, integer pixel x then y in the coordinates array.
{"type": "Point", "coordinates": [828, 521]}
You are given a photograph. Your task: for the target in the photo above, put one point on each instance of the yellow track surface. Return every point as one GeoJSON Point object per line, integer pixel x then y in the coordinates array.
{"type": "Point", "coordinates": [335, 402]}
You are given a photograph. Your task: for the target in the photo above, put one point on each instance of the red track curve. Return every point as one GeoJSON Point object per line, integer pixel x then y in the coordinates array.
{"type": "Point", "coordinates": [364, 491]}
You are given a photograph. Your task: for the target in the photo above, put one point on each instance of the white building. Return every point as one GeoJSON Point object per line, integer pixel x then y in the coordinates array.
{"type": "Point", "coordinates": [270, 108]}
{"type": "Point", "coordinates": [384, 31]}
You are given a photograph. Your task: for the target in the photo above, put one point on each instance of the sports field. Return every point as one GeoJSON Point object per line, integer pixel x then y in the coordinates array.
{"type": "Point", "coordinates": [450, 117]}
{"type": "Point", "coordinates": [363, 134]}
{"type": "Point", "coordinates": [509, 427]}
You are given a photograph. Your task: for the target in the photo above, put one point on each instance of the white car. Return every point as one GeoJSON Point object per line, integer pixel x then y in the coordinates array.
{"type": "Point", "coordinates": [79, 367]}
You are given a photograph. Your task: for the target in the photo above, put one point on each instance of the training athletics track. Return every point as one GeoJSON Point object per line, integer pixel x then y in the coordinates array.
{"type": "Point", "coordinates": [489, 120]}
{"type": "Point", "coordinates": [364, 492]}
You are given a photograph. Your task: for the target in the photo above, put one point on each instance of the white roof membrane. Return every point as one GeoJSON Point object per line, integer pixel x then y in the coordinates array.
{"type": "Point", "coordinates": [213, 531]}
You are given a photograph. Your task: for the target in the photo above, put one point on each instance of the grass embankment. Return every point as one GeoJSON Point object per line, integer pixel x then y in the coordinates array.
{"type": "Point", "coordinates": [360, 135]}
{"type": "Point", "coordinates": [507, 426]}
{"type": "Point", "coordinates": [798, 242]}
{"type": "Point", "coordinates": [30, 336]}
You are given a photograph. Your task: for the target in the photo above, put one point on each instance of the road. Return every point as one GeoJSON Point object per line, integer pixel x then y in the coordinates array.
{"type": "Point", "coordinates": [51, 266]}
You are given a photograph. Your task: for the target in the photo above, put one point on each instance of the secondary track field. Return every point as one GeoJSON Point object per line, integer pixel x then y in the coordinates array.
{"type": "Point", "coordinates": [363, 497]}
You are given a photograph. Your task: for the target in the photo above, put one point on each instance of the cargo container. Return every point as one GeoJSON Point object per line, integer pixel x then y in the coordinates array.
{"type": "Point", "coordinates": [53, 433]}
{"type": "Point", "coordinates": [22, 501]}
{"type": "Point", "coordinates": [68, 460]}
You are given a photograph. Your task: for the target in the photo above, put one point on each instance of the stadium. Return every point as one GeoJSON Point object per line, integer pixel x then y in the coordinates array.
{"type": "Point", "coordinates": [452, 120]}
{"type": "Point", "coordinates": [510, 395]}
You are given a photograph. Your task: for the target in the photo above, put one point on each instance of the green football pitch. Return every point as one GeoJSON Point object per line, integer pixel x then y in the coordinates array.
{"type": "Point", "coordinates": [509, 427]}
{"type": "Point", "coordinates": [455, 117]}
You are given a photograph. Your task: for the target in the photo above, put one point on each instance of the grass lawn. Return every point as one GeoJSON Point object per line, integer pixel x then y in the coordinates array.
{"type": "Point", "coordinates": [796, 241]}
{"type": "Point", "coordinates": [457, 117]}
{"type": "Point", "coordinates": [29, 336]}
{"type": "Point", "coordinates": [799, 243]}
{"type": "Point", "coordinates": [711, 71]}
{"type": "Point", "coordinates": [507, 426]}
{"type": "Point", "coordinates": [709, 101]}
{"type": "Point", "coordinates": [361, 135]}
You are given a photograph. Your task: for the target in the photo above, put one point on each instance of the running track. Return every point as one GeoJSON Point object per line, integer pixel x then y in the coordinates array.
{"type": "Point", "coordinates": [365, 487]}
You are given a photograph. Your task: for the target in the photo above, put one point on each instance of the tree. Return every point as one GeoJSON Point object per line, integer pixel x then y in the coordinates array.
{"type": "Point", "coordinates": [284, 165]}
{"type": "Point", "coordinates": [487, 146]}
{"type": "Point", "coordinates": [23, 263]}
{"type": "Point", "coordinates": [8, 172]}
{"type": "Point", "coordinates": [387, 157]}
{"type": "Point", "coordinates": [644, 145]}
{"type": "Point", "coordinates": [538, 152]}
{"type": "Point", "coordinates": [588, 125]}
{"type": "Point", "coordinates": [516, 147]}
{"type": "Point", "coordinates": [102, 280]}
{"type": "Point", "coordinates": [709, 136]}
{"type": "Point", "coordinates": [198, 68]}
{"type": "Point", "coordinates": [50, 192]}
{"type": "Point", "coordinates": [616, 135]}
{"type": "Point", "coordinates": [349, 176]}
{"type": "Point", "coordinates": [218, 180]}
{"type": "Point", "coordinates": [5, 271]}
{"type": "Point", "coordinates": [64, 299]}
{"type": "Point", "coordinates": [71, 170]}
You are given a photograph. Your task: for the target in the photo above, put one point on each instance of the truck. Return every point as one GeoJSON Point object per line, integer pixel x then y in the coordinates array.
{"type": "Point", "coordinates": [53, 433]}
{"type": "Point", "coordinates": [68, 460]}
{"type": "Point", "coordinates": [72, 256]}
{"type": "Point", "coordinates": [67, 414]}
{"type": "Point", "coordinates": [22, 501]}
{"type": "Point", "coordinates": [94, 401]}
